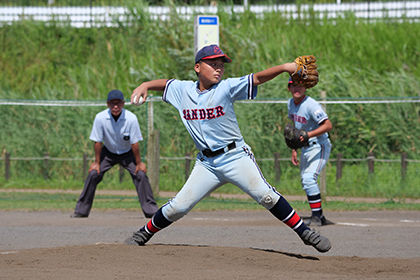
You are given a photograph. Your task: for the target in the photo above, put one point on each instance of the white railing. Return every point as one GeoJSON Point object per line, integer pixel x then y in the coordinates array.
{"type": "Point", "coordinates": [106, 16]}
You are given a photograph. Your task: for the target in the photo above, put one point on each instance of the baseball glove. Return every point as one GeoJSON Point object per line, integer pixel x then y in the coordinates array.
{"type": "Point", "coordinates": [306, 73]}
{"type": "Point", "coordinates": [292, 137]}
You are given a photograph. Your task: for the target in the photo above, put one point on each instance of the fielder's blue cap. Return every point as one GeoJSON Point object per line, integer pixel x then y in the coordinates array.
{"type": "Point", "coordinates": [291, 82]}
{"type": "Point", "coordinates": [211, 52]}
{"type": "Point", "coordinates": [115, 94]}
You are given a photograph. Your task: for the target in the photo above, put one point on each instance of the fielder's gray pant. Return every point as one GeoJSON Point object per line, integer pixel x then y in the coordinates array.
{"type": "Point", "coordinates": [140, 180]}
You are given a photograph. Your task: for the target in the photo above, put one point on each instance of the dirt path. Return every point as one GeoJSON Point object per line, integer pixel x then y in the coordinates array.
{"type": "Point", "coordinates": [216, 195]}
{"type": "Point", "coordinates": [207, 245]}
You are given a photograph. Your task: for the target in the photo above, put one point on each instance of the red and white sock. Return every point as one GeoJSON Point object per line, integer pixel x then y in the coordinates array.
{"type": "Point", "coordinates": [315, 204]}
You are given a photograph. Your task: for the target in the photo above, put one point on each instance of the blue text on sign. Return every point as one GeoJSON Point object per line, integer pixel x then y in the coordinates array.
{"type": "Point", "coordinates": [208, 20]}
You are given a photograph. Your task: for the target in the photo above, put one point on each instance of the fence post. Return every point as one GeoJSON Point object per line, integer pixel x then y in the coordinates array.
{"type": "Point", "coordinates": [371, 162]}
{"type": "Point", "coordinates": [277, 167]}
{"type": "Point", "coordinates": [323, 181]}
{"type": "Point", "coordinates": [121, 174]}
{"type": "Point", "coordinates": [403, 165]}
{"type": "Point", "coordinates": [187, 165]}
{"type": "Point", "coordinates": [339, 166]}
{"type": "Point", "coordinates": [46, 165]}
{"type": "Point", "coordinates": [323, 175]}
{"type": "Point", "coordinates": [85, 165]}
{"type": "Point", "coordinates": [153, 153]}
{"type": "Point", "coordinates": [7, 166]}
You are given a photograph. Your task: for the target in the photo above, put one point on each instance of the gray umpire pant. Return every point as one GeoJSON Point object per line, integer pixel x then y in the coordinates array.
{"type": "Point", "coordinates": [140, 180]}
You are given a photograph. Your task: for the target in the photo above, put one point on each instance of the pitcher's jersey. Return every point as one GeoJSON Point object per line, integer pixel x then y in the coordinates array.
{"type": "Point", "coordinates": [209, 115]}
{"type": "Point", "coordinates": [307, 115]}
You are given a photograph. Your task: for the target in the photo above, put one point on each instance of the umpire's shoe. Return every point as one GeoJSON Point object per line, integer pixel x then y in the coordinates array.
{"type": "Point", "coordinates": [313, 238]}
{"type": "Point", "coordinates": [78, 215]}
{"type": "Point", "coordinates": [139, 238]}
{"type": "Point", "coordinates": [317, 221]}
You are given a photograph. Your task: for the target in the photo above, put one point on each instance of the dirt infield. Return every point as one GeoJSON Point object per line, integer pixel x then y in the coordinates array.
{"type": "Point", "coordinates": [207, 245]}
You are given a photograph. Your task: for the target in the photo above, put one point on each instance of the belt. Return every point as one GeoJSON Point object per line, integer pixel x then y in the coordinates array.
{"type": "Point", "coordinates": [209, 153]}
{"type": "Point", "coordinates": [117, 155]}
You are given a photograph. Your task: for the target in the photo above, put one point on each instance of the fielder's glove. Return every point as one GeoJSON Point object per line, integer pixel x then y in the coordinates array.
{"type": "Point", "coordinates": [292, 137]}
{"type": "Point", "coordinates": [306, 73]}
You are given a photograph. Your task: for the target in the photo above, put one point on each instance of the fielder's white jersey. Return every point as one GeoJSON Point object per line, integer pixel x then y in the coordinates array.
{"type": "Point", "coordinates": [307, 115]}
{"type": "Point", "coordinates": [209, 115]}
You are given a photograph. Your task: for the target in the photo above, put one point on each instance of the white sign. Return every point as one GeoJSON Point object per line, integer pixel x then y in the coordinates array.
{"type": "Point", "coordinates": [206, 31]}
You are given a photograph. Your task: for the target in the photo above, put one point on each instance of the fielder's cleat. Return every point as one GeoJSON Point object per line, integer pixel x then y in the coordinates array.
{"type": "Point", "coordinates": [319, 242]}
{"type": "Point", "coordinates": [78, 215]}
{"type": "Point", "coordinates": [139, 238]}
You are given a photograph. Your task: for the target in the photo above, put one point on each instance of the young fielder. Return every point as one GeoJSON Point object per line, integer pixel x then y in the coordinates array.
{"type": "Point", "coordinates": [310, 120]}
{"type": "Point", "coordinates": [206, 109]}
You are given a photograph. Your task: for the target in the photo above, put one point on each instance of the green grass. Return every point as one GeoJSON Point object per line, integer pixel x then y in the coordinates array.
{"type": "Point", "coordinates": [55, 61]}
{"type": "Point", "coordinates": [385, 182]}
{"type": "Point", "coordinates": [15, 201]}
{"type": "Point", "coordinates": [58, 62]}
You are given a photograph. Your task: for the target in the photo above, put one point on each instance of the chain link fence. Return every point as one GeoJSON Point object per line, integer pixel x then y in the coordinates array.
{"type": "Point", "coordinates": [84, 3]}
{"type": "Point", "coordinates": [95, 13]}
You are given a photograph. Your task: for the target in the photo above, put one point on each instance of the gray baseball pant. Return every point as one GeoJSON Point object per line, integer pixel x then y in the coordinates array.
{"type": "Point", "coordinates": [140, 180]}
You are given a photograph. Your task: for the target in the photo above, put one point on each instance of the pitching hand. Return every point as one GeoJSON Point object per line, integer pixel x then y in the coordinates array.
{"type": "Point", "coordinates": [139, 96]}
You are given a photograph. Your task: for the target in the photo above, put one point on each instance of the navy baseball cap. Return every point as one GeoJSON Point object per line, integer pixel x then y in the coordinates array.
{"type": "Point", "coordinates": [115, 94]}
{"type": "Point", "coordinates": [211, 52]}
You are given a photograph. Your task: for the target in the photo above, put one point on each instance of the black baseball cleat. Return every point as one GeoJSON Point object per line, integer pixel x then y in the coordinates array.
{"type": "Point", "coordinates": [313, 238]}
{"type": "Point", "coordinates": [139, 238]}
{"type": "Point", "coordinates": [316, 221]}
{"type": "Point", "coordinates": [130, 241]}
{"type": "Point", "coordinates": [78, 215]}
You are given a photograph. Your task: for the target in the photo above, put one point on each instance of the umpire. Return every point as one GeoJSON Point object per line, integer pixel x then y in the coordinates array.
{"type": "Point", "coordinates": [119, 131]}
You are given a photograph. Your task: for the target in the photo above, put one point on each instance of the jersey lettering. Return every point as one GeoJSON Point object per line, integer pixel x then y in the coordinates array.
{"type": "Point", "coordinates": [219, 111]}
{"type": "Point", "coordinates": [210, 114]}
{"type": "Point", "coordinates": [202, 114]}
{"type": "Point", "coordinates": [194, 115]}
{"type": "Point", "coordinates": [319, 114]}
{"type": "Point", "coordinates": [187, 114]}
{"type": "Point", "coordinates": [298, 119]}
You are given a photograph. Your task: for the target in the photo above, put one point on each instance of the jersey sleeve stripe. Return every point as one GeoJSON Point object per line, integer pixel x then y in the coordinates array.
{"type": "Point", "coordinates": [323, 119]}
{"type": "Point", "coordinates": [252, 90]}
{"type": "Point", "coordinates": [166, 90]}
